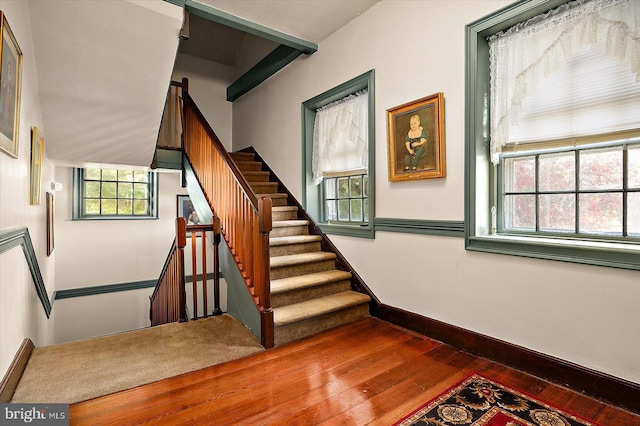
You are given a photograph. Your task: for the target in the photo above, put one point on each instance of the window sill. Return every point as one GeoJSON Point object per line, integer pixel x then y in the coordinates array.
{"type": "Point", "coordinates": [609, 254]}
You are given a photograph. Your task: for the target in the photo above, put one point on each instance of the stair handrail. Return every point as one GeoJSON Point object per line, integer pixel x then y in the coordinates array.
{"type": "Point", "coordinates": [169, 298]}
{"type": "Point", "coordinates": [246, 220]}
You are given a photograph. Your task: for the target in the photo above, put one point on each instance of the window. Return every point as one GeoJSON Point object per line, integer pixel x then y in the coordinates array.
{"type": "Point", "coordinates": [338, 168]}
{"type": "Point", "coordinates": [114, 194]}
{"type": "Point", "coordinates": [346, 199]}
{"type": "Point", "coordinates": [590, 192]}
{"type": "Point", "coordinates": [552, 132]}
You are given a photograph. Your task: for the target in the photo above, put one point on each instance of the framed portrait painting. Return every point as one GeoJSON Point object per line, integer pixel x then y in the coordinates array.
{"type": "Point", "coordinates": [10, 83]}
{"type": "Point", "coordinates": [415, 139]}
{"type": "Point", "coordinates": [37, 157]}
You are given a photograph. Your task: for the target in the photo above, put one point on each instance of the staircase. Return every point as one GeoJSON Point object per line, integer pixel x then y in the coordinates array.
{"type": "Point", "coordinates": [308, 293]}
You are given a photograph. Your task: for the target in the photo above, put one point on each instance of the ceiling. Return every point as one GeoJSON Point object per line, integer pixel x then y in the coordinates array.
{"type": "Point", "coordinates": [103, 66]}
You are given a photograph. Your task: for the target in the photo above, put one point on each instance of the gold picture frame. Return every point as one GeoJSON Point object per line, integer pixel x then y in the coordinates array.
{"type": "Point", "coordinates": [10, 85]}
{"type": "Point", "coordinates": [417, 152]}
{"type": "Point", "coordinates": [37, 157]}
{"type": "Point", "coordinates": [50, 223]}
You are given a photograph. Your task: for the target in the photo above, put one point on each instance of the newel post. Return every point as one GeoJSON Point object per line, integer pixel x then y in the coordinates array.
{"type": "Point", "coordinates": [185, 85]}
{"type": "Point", "coordinates": [217, 227]}
{"type": "Point", "coordinates": [181, 242]}
{"type": "Point", "coordinates": [265, 224]}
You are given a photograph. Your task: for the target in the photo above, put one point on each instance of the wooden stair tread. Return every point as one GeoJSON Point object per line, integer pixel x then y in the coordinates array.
{"type": "Point", "coordinates": [285, 209]}
{"type": "Point", "coordinates": [288, 223]}
{"type": "Point", "coordinates": [297, 259]}
{"type": "Point", "coordinates": [300, 311]}
{"type": "Point", "coordinates": [293, 239]}
{"type": "Point", "coordinates": [308, 280]}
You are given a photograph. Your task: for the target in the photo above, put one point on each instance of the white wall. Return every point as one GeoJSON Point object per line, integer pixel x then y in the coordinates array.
{"type": "Point", "coordinates": [584, 314]}
{"type": "Point", "coordinates": [21, 313]}
{"type": "Point", "coordinates": [92, 253]}
{"type": "Point", "coordinates": [208, 82]}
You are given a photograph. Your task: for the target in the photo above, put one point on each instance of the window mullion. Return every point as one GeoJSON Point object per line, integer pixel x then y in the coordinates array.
{"type": "Point", "coordinates": [625, 188]}
{"type": "Point", "coordinates": [577, 191]}
{"type": "Point", "coordinates": [537, 190]}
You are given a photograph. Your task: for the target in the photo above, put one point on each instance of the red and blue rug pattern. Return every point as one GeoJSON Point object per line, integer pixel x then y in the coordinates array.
{"type": "Point", "coordinates": [478, 401]}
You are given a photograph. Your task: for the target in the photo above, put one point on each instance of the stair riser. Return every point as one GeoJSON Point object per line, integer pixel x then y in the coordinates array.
{"type": "Point", "coordinates": [249, 167]}
{"type": "Point", "coordinates": [263, 187]}
{"type": "Point", "coordinates": [308, 327]}
{"type": "Point", "coordinates": [288, 231]}
{"type": "Point", "coordinates": [301, 295]}
{"type": "Point", "coordinates": [242, 156]}
{"type": "Point", "coordinates": [294, 249]}
{"type": "Point", "coordinates": [261, 177]}
{"type": "Point", "coordinates": [278, 202]}
{"type": "Point", "coordinates": [277, 216]}
{"type": "Point", "coordinates": [301, 269]}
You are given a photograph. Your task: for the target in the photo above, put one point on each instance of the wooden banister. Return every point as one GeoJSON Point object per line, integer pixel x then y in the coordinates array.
{"type": "Point", "coordinates": [168, 301]}
{"type": "Point", "coordinates": [169, 298]}
{"type": "Point", "coordinates": [245, 220]}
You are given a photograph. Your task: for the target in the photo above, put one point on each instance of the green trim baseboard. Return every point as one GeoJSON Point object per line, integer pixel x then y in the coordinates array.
{"type": "Point", "coordinates": [14, 372]}
{"type": "Point", "coordinates": [20, 237]}
{"type": "Point", "coordinates": [611, 389]}
{"type": "Point", "coordinates": [446, 228]}
{"type": "Point", "coordinates": [114, 288]}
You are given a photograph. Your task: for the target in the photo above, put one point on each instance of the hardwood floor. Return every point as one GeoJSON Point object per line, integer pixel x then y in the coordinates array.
{"type": "Point", "coordinates": [366, 373]}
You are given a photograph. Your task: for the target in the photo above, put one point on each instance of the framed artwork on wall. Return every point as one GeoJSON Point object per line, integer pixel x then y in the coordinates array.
{"type": "Point", "coordinates": [186, 210]}
{"type": "Point", "coordinates": [10, 83]}
{"type": "Point", "coordinates": [415, 139]}
{"type": "Point", "coordinates": [50, 222]}
{"type": "Point", "coordinates": [37, 157]}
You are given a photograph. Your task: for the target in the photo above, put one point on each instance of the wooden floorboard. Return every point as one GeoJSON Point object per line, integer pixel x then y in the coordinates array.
{"type": "Point", "coordinates": [366, 373]}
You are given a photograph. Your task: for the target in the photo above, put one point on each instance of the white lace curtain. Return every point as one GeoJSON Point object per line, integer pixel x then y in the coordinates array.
{"type": "Point", "coordinates": [523, 57]}
{"type": "Point", "coordinates": [340, 136]}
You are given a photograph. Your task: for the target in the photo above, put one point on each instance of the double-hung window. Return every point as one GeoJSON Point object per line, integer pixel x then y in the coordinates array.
{"type": "Point", "coordinates": [114, 194]}
{"type": "Point", "coordinates": [553, 132]}
{"type": "Point", "coordinates": [339, 158]}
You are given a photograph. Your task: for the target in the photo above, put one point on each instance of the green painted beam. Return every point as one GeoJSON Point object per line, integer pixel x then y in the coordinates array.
{"type": "Point", "coordinates": [269, 65]}
{"type": "Point", "coordinates": [241, 24]}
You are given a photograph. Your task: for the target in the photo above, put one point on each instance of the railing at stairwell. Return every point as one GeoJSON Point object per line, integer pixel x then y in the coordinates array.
{"type": "Point", "coordinates": [168, 301]}
{"type": "Point", "coordinates": [246, 219]}
{"type": "Point", "coordinates": [169, 298]}
{"type": "Point", "coordinates": [170, 132]}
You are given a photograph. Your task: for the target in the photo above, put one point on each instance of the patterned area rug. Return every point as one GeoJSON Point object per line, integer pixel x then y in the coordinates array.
{"type": "Point", "coordinates": [478, 401]}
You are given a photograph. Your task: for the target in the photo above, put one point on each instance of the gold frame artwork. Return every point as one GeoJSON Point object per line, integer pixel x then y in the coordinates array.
{"type": "Point", "coordinates": [37, 157]}
{"type": "Point", "coordinates": [50, 223]}
{"type": "Point", "coordinates": [417, 153]}
{"type": "Point", "coordinates": [10, 84]}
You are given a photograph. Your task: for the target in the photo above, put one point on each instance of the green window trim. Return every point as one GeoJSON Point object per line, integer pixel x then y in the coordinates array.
{"type": "Point", "coordinates": [311, 193]}
{"type": "Point", "coordinates": [479, 173]}
{"type": "Point", "coordinates": [78, 200]}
